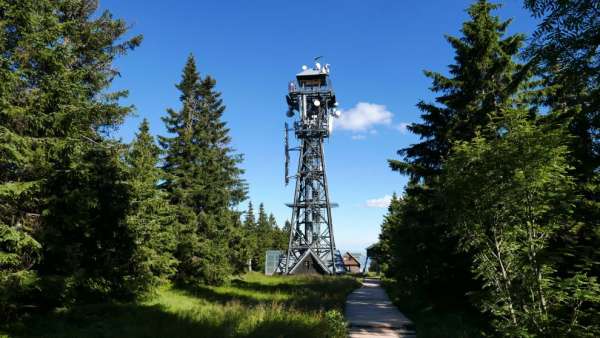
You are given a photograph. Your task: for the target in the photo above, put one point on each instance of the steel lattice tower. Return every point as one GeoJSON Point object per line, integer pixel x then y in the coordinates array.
{"type": "Point", "coordinates": [311, 245]}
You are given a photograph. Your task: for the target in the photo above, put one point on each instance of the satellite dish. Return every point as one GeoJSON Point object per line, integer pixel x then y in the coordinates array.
{"type": "Point", "coordinates": [304, 67]}
{"type": "Point", "coordinates": [337, 113]}
{"type": "Point", "coordinates": [317, 103]}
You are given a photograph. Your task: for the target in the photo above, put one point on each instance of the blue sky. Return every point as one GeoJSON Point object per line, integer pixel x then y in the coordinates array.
{"type": "Point", "coordinates": [377, 50]}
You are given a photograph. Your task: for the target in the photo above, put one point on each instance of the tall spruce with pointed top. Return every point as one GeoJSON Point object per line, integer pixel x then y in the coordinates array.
{"type": "Point", "coordinates": [264, 238]}
{"type": "Point", "coordinates": [150, 218]}
{"type": "Point", "coordinates": [251, 236]}
{"type": "Point", "coordinates": [387, 249]}
{"type": "Point", "coordinates": [280, 236]}
{"type": "Point", "coordinates": [60, 178]}
{"type": "Point", "coordinates": [203, 178]}
{"type": "Point", "coordinates": [483, 80]}
{"type": "Point", "coordinates": [250, 218]}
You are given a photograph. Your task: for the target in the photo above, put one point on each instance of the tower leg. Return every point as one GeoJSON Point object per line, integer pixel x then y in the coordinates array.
{"type": "Point", "coordinates": [311, 244]}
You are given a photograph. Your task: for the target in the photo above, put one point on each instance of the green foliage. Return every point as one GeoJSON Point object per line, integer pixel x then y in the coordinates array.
{"type": "Point", "coordinates": [262, 234]}
{"type": "Point", "coordinates": [60, 180]}
{"type": "Point", "coordinates": [508, 198]}
{"type": "Point", "coordinates": [150, 218]}
{"type": "Point", "coordinates": [565, 48]}
{"type": "Point", "coordinates": [202, 180]}
{"type": "Point", "coordinates": [482, 79]}
{"type": "Point", "coordinates": [336, 324]}
{"type": "Point", "coordinates": [416, 238]}
{"type": "Point", "coordinates": [496, 186]}
{"type": "Point", "coordinates": [19, 252]}
{"type": "Point", "coordinates": [434, 322]}
{"type": "Point", "coordinates": [84, 233]}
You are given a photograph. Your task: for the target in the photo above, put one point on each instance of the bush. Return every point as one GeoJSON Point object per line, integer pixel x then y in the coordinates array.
{"type": "Point", "coordinates": [336, 325]}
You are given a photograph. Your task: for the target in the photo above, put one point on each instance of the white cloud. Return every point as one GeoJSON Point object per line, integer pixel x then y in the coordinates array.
{"type": "Point", "coordinates": [402, 127]}
{"type": "Point", "coordinates": [382, 202]}
{"type": "Point", "coordinates": [364, 116]}
{"type": "Point", "coordinates": [358, 137]}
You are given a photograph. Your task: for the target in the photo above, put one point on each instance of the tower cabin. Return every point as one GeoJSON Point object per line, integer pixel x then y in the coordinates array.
{"type": "Point", "coordinates": [312, 79]}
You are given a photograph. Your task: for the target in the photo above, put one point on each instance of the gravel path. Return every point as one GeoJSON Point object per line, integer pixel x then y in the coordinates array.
{"type": "Point", "coordinates": [370, 313]}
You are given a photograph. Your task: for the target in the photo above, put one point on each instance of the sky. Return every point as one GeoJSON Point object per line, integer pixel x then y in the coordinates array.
{"type": "Point", "coordinates": [377, 49]}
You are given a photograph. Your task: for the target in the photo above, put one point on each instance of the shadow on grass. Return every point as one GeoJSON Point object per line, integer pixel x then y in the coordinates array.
{"type": "Point", "coordinates": [136, 321]}
{"type": "Point", "coordinates": [251, 313]}
{"type": "Point", "coordinates": [223, 297]}
{"type": "Point", "coordinates": [292, 286]}
{"type": "Point", "coordinates": [286, 328]}
{"type": "Point", "coordinates": [110, 320]}
{"type": "Point", "coordinates": [312, 294]}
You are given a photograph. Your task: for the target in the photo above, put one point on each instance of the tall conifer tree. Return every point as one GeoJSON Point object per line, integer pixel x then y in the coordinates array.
{"type": "Point", "coordinates": [150, 218]}
{"type": "Point", "coordinates": [203, 177]}
{"type": "Point", "coordinates": [60, 179]}
{"type": "Point", "coordinates": [251, 236]}
{"type": "Point", "coordinates": [483, 80]}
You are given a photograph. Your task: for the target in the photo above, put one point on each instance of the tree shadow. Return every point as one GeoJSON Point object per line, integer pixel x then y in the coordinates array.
{"type": "Point", "coordinates": [119, 320]}
{"type": "Point", "coordinates": [309, 295]}
{"type": "Point", "coordinates": [288, 328]}
{"type": "Point", "coordinates": [141, 321]}
{"type": "Point", "coordinates": [280, 287]}
{"type": "Point", "coordinates": [209, 294]}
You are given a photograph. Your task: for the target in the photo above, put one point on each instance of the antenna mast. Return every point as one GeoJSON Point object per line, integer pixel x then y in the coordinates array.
{"type": "Point", "coordinates": [311, 244]}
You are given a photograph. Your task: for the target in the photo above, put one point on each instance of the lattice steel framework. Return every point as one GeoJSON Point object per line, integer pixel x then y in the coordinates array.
{"type": "Point", "coordinates": [311, 239]}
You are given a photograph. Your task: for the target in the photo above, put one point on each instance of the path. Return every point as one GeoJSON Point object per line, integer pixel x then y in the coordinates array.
{"type": "Point", "coordinates": [370, 313]}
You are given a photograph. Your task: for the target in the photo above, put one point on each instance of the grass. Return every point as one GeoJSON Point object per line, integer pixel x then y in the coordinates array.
{"type": "Point", "coordinates": [250, 306]}
{"type": "Point", "coordinates": [435, 322]}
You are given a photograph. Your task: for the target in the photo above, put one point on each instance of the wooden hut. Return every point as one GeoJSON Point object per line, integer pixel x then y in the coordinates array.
{"type": "Point", "coordinates": [352, 263]}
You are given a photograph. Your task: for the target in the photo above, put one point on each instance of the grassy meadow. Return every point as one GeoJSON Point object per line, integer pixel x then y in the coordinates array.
{"type": "Point", "coordinates": [249, 306]}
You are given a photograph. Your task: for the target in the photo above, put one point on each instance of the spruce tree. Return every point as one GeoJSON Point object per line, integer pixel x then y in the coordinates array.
{"type": "Point", "coordinates": [264, 234]}
{"type": "Point", "coordinates": [483, 80]}
{"type": "Point", "coordinates": [54, 158]}
{"type": "Point", "coordinates": [203, 178]}
{"type": "Point", "coordinates": [279, 237]}
{"type": "Point", "coordinates": [250, 218]}
{"type": "Point", "coordinates": [150, 218]}
{"type": "Point", "coordinates": [250, 230]}
{"type": "Point", "coordinates": [272, 221]}
{"type": "Point", "coordinates": [239, 245]}
{"type": "Point", "coordinates": [391, 238]}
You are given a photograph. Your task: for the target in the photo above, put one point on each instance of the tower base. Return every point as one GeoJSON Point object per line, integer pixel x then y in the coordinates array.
{"type": "Point", "coordinates": [310, 263]}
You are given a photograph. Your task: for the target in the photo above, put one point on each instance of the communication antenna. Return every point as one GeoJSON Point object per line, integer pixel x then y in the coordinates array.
{"type": "Point", "coordinates": [287, 155]}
